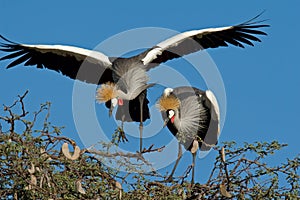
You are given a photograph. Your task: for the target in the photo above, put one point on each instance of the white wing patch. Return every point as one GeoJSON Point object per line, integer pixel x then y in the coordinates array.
{"type": "Point", "coordinates": [215, 115]}
{"type": "Point", "coordinates": [90, 53]}
{"type": "Point", "coordinates": [151, 55]}
{"type": "Point", "coordinates": [175, 40]}
{"type": "Point", "coordinates": [210, 95]}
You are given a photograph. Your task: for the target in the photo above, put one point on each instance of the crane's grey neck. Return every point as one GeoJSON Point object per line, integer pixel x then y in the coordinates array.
{"type": "Point", "coordinates": [130, 77]}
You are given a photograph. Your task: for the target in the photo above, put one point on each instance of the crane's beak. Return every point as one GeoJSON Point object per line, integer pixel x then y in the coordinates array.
{"type": "Point", "coordinates": [110, 111]}
{"type": "Point", "coordinates": [166, 122]}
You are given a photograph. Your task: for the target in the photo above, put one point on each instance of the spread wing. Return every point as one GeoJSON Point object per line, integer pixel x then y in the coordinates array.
{"type": "Point", "coordinates": [192, 41]}
{"type": "Point", "coordinates": [76, 63]}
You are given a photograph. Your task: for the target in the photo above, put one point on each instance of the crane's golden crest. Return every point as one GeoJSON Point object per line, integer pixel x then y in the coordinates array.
{"type": "Point", "coordinates": [169, 102]}
{"type": "Point", "coordinates": [106, 92]}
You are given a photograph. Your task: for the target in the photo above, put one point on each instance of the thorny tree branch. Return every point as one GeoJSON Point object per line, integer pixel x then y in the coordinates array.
{"type": "Point", "coordinates": [39, 162]}
{"type": "Point", "coordinates": [150, 149]}
{"type": "Point", "coordinates": [12, 117]}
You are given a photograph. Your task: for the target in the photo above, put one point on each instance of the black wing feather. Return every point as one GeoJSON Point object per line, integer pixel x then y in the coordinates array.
{"type": "Point", "coordinates": [250, 37]}
{"type": "Point", "coordinates": [73, 65]}
{"type": "Point", "coordinates": [256, 32]}
{"type": "Point", "coordinates": [12, 55]}
{"type": "Point", "coordinates": [220, 41]}
{"type": "Point", "coordinates": [238, 35]}
{"type": "Point", "coordinates": [23, 58]}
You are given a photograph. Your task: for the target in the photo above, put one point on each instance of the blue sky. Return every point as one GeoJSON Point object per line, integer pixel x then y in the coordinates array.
{"type": "Point", "coordinates": [261, 82]}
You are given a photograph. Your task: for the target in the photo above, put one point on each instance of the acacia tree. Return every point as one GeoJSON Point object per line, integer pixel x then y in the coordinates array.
{"type": "Point", "coordinates": [37, 163]}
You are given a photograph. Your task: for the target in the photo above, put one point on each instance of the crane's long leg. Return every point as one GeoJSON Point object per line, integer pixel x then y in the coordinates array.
{"type": "Point", "coordinates": [141, 136]}
{"type": "Point", "coordinates": [141, 121]}
{"type": "Point", "coordinates": [177, 161]}
{"type": "Point", "coordinates": [193, 167]}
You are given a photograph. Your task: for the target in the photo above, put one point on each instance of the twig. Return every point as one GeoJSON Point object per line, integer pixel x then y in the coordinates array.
{"type": "Point", "coordinates": [117, 154]}
{"type": "Point", "coordinates": [149, 150]}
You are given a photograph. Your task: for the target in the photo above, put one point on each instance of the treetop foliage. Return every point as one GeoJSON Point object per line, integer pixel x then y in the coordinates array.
{"type": "Point", "coordinates": [38, 162]}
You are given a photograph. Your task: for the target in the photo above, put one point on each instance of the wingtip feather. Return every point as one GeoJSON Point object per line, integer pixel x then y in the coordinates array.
{"type": "Point", "coordinates": [7, 40]}
{"type": "Point", "coordinates": [253, 20]}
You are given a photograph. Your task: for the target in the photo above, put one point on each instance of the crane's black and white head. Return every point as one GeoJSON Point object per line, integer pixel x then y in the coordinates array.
{"type": "Point", "coordinates": [171, 115]}
{"type": "Point", "coordinates": [169, 105]}
{"type": "Point", "coordinates": [108, 93]}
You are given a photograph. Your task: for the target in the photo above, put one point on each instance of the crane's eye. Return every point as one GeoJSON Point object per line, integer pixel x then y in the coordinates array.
{"type": "Point", "coordinates": [170, 113]}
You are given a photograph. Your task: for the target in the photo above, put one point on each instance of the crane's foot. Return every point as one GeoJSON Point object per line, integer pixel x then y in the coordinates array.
{"type": "Point", "coordinates": [167, 180]}
{"type": "Point", "coordinates": [119, 136]}
{"type": "Point", "coordinates": [122, 137]}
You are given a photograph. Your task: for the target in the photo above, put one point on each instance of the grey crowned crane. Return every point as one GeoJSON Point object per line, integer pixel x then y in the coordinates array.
{"type": "Point", "coordinates": [124, 81]}
{"type": "Point", "coordinates": [193, 116]}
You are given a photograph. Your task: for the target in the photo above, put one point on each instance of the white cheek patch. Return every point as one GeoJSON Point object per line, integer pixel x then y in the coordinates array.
{"type": "Point", "coordinates": [114, 102]}
{"type": "Point", "coordinates": [171, 114]}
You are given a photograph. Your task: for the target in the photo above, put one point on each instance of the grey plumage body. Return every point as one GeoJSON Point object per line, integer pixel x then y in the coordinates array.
{"type": "Point", "coordinates": [194, 120]}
